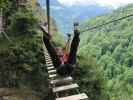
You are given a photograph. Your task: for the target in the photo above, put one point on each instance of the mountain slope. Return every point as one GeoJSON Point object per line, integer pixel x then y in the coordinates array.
{"type": "Point", "coordinates": [112, 47]}
{"type": "Point", "coordinates": [66, 15]}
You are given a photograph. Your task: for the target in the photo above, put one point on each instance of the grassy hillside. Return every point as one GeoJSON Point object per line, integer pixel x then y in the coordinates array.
{"type": "Point", "coordinates": [112, 48]}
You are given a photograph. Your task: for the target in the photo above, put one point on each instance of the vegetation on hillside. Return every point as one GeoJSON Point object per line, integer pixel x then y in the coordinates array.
{"type": "Point", "coordinates": [112, 48]}
{"type": "Point", "coordinates": [22, 63]}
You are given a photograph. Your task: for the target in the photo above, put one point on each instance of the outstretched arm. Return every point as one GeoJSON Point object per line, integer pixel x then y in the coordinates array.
{"type": "Point", "coordinates": [50, 48]}
{"type": "Point", "coordinates": [45, 33]}
{"type": "Point", "coordinates": [74, 45]}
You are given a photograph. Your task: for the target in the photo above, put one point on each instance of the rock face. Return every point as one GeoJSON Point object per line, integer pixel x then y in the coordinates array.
{"type": "Point", "coordinates": [14, 94]}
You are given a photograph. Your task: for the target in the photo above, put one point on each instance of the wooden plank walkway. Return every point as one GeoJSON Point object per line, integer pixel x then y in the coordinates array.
{"type": "Point", "coordinates": [82, 96]}
{"type": "Point", "coordinates": [66, 83]}
{"type": "Point", "coordinates": [61, 80]}
{"type": "Point", "coordinates": [65, 87]}
{"type": "Point", "coordinates": [50, 68]}
{"type": "Point", "coordinates": [52, 76]}
{"type": "Point", "coordinates": [52, 71]}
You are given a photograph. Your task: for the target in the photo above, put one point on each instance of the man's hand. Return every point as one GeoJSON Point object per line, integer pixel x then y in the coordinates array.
{"type": "Point", "coordinates": [45, 32]}
{"type": "Point", "coordinates": [44, 29]}
{"type": "Point", "coordinates": [76, 26]}
{"type": "Point", "coordinates": [76, 29]}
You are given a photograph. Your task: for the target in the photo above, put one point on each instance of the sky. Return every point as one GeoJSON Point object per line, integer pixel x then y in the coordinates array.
{"type": "Point", "coordinates": [106, 3]}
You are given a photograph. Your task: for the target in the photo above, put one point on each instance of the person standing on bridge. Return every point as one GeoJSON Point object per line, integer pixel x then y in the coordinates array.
{"type": "Point", "coordinates": [63, 64]}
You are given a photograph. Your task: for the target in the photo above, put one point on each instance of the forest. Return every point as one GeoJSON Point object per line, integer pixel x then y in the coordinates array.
{"type": "Point", "coordinates": [112, 48]}
{"type": "Point", "coordinates": [104, 60]}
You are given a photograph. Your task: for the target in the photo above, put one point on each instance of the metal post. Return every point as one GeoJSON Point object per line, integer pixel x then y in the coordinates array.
{"type": "Point", "coordinates": [48, 14]}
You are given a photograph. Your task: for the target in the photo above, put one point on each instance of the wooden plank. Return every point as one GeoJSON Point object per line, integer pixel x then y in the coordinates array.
{"type": "Point", "coordinates": [49, 65]}
{"type": "Point", "coordinates": [52, 71]}
{"type": "Point", "coordinates": [52, 76]}
{"type": "Point", "coordinates": [64, 88]}
{"type": "Point", "coordinates": [46, 52]}
{"type": "Point", "coordinates": [82, 96]}
{"type": "Point", "coordinates": [48, 62]}
{"type": "Point", "coordinates": [50, 68]}
{"type": "Point", "coordinates": [61, 80]}
{"type": "Point", "coordinates": [48, 59]}
{"type": "Point", "coordinates": [47, 56]}
{"type": "Point", "coordinates": [7, 92]}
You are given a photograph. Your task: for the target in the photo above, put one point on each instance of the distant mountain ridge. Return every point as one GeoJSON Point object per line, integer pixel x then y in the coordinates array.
{"type": "Point", "coordinates": [66, 15]}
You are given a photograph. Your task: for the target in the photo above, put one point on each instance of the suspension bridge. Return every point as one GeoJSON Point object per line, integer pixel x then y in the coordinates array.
{"type": "Point", "coordinates": [64, 88]}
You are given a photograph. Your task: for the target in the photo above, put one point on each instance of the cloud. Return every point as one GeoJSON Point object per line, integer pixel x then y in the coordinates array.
{"type": "Point", "coordinates": [56, 7]}
{"type": "Point", "coordinates": [108, 3]}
